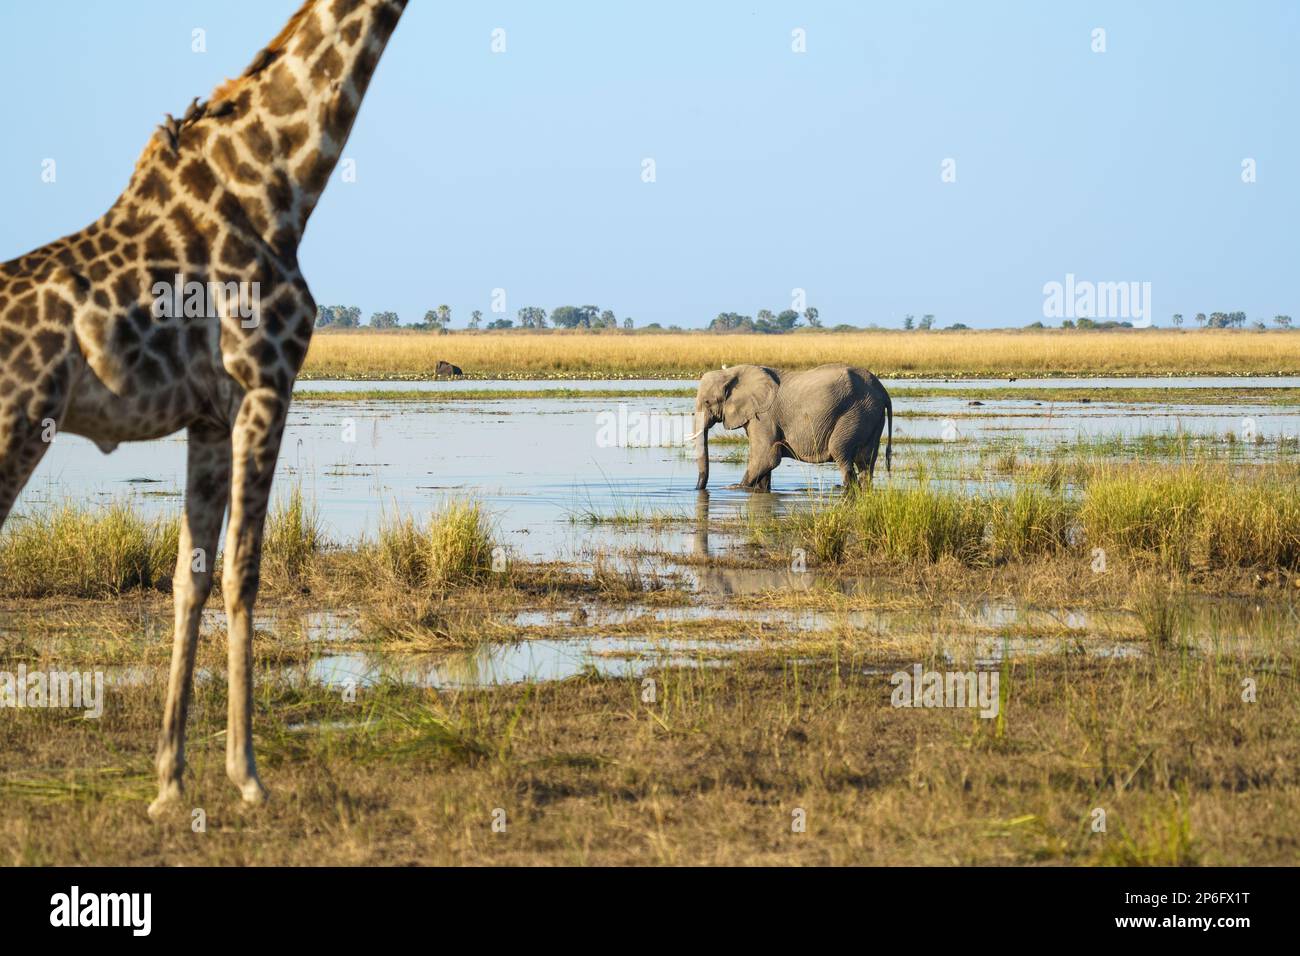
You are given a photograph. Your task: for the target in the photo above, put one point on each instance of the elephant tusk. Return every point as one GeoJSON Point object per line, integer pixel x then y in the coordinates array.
{"type": "Point", "coordinates": [696, 435]}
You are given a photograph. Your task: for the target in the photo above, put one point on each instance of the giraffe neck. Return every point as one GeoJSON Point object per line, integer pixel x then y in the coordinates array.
{"type": "Point", "coordinates": [273, 137]}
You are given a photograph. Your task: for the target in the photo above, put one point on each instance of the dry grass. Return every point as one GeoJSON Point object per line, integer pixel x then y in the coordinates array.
{"type": "Point", "coordinates": [556, 354]}
{"type": "Point", "coordinates": [713, 771]}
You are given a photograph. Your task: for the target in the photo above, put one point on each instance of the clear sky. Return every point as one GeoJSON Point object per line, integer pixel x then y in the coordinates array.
{"type": "Point", "coordinates": [775, 170]}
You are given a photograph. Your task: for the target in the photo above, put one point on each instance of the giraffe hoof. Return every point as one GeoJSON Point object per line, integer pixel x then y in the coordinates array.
{"type": "Point", "coordinates": [169, 797]}
{"type": "Point", "coordinates": [253, 793]}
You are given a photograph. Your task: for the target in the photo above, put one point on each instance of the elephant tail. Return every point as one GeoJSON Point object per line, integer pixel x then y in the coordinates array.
{"type": "Point", "coordinates": [889, 446]}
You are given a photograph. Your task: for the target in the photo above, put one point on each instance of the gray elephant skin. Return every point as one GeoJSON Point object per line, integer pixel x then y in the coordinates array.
{"type": "Point", "coordinates": [831, 413]}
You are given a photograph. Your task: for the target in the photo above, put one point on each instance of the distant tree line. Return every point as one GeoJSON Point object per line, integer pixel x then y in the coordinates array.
{"type": "Point", "coordinates": [1231, 320]}
{"type": "Point", "coordinates": [338, 317]}
{"type": "Point", "coordinates": [439, 319]}
{"type": "Point", "coordinates": [767, 323]}
{"type": "Point", "coordinates": [593, 317]}
{"type": "Point", "coordinates": [1087, 323]}
{"type": "Point", "coordinates": [1215, 320]}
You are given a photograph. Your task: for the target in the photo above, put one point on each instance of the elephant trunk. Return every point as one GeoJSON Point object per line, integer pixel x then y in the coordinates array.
{"type": "Point", "coordinates": [702, 426]}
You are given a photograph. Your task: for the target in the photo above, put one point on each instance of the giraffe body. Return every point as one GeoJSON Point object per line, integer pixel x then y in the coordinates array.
{"type": "Point", "coordinates": [92, 344]}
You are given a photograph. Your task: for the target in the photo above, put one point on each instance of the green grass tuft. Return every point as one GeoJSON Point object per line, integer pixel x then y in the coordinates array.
{"type": "Point", "coordinates": [453, 546]}
{"type": "Point", "coordinates": [77, 551]}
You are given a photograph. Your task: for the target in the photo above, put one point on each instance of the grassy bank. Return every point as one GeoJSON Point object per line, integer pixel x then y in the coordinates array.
{"type": "Point", "coordinates": [709, 764]}
{"type": "Point", "coordinates": [965, 354]}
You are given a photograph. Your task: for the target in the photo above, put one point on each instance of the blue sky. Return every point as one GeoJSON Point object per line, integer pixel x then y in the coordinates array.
{"type": "Point", "coordinates": [774, 170]}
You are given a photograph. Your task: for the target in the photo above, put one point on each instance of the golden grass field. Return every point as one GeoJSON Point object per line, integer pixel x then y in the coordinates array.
{"type": "Point", "coordinates": [891, 354]}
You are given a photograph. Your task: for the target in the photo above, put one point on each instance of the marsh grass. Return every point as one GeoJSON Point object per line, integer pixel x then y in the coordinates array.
{"type": "Point", "coordinates": [452, 546]}
{"type": "Point", "coordinates": [923, 522]}
{"type": "Point", "coordinates": [1200, 514]}
{"type": "Point", "coordinates": [629, 516]}
{"type": "Point", "coordinates": [414, 564]}
{"type": "Point", "coordinates": [97, 551]}
{"type": "Point", "coordinates": [1162, 608]}
{"type": "Point", "coordinates": [83, 551]}
{"type": "Point", "coordinates": [292, 539]}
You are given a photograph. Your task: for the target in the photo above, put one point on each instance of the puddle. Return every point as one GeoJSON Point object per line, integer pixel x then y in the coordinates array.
{"type": "Point", "coordinates": [542, 660]}
{"type": "Point", "coordinates": [984, 633]}
{"type": "Point", "coordinates": [490, 665]}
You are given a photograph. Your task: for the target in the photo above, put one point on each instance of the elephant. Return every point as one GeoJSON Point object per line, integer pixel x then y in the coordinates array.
{"type": "Point", "coordinates": [446, 368]}
{"type": "Point", "coordinates": [829, 413]}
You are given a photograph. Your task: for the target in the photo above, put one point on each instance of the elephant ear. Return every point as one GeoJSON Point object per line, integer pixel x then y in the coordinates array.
{"type": "Point", "coordinates": [751, 393]}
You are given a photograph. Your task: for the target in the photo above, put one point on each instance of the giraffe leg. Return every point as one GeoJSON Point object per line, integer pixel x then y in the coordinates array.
{"type": "Point", "coordinates": [256, 444]}
{"type": "Point", "coordinates": [22, 446]}
{"type": "Point", "coordinates": [15, 468]}
{"type": "Point", "coordinates": [207, 490]}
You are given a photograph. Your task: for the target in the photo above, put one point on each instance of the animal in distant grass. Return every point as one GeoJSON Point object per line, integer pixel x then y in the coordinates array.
{"type": "Point", "coordinates": [831, 413]}
{"type": "Point", "coordinates": [91, 343]}
{"type": "Point", "coordinates": [446, 368]}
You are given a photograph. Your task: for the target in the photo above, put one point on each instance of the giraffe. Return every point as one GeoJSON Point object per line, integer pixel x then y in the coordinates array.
{"type": "Point", "coordinates": [89, 346]}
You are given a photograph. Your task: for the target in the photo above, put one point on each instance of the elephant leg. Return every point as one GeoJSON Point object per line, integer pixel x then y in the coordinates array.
{"type": "Point", "coordinates": [865, 465]}
{"type": "Point", "coordinates": [851, 474]}
{"type": "Point", "coordinates": [762, 460]}
{"type": "Point", "coordinates": [868, 454]}
{"type": "Point", "coordinates": [845, 449]}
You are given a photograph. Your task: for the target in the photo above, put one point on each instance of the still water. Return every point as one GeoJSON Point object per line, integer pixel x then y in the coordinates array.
{"type": "Point", "coordinates": [542, 466]}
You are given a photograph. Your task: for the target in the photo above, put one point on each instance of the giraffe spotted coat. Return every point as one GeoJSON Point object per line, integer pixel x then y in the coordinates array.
{"type": "Point", "coordinates": [219, 197]}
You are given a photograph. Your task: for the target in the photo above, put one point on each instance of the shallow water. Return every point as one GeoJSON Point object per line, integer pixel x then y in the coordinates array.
{"type": "Point", "coordinates": [466, 384]}
{"type": "Point", "coordinates": [541, 467]}
{"type": "Point", "coordinates": [980, 633]}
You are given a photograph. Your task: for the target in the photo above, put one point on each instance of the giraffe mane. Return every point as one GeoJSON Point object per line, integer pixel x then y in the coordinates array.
{"type": "Point", "coordinates": [266, 56]}
{"type": "Point", "coordinates": [227, 90]}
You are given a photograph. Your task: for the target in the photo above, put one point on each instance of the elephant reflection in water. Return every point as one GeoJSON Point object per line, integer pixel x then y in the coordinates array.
{"type": "Point", "coordinates": [723, 581]}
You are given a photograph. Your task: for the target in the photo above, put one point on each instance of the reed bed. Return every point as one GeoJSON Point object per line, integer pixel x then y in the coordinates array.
{"type": "Point", "coordinates": [1191, 515]}
{"type": "Point", "coordinates": [955, 354]}
{"type": "Point", "coordinates": [80, 551]}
